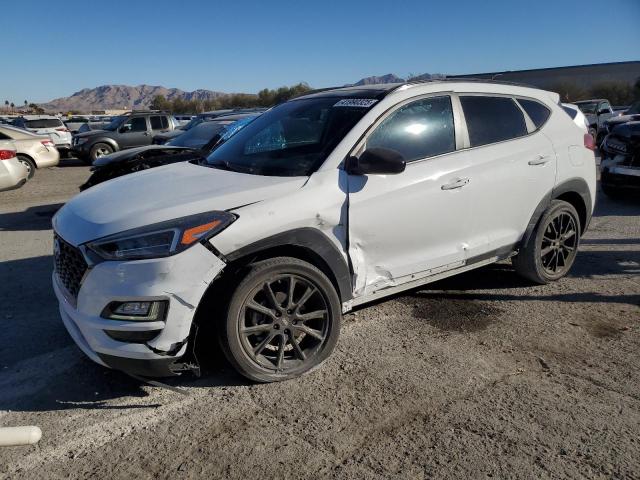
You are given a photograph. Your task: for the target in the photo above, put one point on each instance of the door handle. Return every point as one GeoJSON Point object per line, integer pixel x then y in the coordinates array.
{"type": "Point", "coordinates": [540, 160]}
{"type": "Point", "coordinates": [458, 183]}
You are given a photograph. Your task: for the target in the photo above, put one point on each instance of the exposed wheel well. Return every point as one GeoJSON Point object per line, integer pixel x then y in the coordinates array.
{"type": "Point", "coordinates": [575, 199]}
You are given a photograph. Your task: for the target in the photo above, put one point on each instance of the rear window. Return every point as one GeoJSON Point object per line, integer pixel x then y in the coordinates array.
{"type": "Point", "coordinates": [492, 119]}
{"type": "Point", "coordinates": [159, 123]}
{"type": "Point", "coordinates": [537, 112]}
{"type": "Point", "coordinates": [44, 123]}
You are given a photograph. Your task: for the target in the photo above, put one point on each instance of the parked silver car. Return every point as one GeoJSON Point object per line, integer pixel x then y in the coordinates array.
{"type": "Point", "coordinates": [33, 151]}
{"type": "Point", "coordinates": [13, 174]}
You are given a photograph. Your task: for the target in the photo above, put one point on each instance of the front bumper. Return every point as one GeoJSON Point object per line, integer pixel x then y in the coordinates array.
{"type": "Point", "coordinates": [181, 280]}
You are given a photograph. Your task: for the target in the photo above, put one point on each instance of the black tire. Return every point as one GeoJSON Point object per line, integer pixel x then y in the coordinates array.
{"type": "Point", "coordinates": [553, 245]}
{"type": "Point", "coordinates": [30, 164]}
{"type": "Point", "coordinates": [274, 342]}
{"type": "Point", "coordinates": [100, 150]}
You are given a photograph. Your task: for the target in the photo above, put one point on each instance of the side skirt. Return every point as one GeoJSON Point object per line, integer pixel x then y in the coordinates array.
{"type": "Point", "coordinates": [476, 262]}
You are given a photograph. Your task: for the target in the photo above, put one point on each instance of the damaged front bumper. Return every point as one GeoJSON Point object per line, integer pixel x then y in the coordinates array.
{"type": "Point", "coordinates": [181, 280]}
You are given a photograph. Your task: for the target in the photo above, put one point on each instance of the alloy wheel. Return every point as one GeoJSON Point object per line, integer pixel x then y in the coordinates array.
{"type": "Point", "coordinates": [559, 244]}
{"type": "Point", "coordinates": [284, 322]}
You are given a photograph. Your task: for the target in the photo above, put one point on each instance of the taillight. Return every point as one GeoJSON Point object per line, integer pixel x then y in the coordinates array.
{"type": "Point", "coordinates": [7, 154]}
{"type": "Point", "coordinates": [47, 143]}
{"type": "Point", "coordinates": [589, 142]}
{"type": "Point", "coordinates": [62, 129]}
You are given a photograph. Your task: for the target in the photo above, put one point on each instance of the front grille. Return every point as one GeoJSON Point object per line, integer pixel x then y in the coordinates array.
{"type": "Point", "coordinates": [70, 265]}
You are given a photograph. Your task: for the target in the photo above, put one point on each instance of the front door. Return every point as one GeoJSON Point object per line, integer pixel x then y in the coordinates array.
{"type": "Point", "coordinates": [415, 223]}
{"type": "Point", "coordinates": [134, 133]}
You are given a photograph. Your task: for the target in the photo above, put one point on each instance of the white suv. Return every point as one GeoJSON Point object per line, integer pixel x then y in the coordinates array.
{"type": "Point", "coordinates": [47, 125]}
{"type": "Point", "coordinates": [323, 203]}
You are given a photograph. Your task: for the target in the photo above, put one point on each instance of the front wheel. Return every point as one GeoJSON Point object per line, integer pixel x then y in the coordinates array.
{"type": "Point", "coordinates": [100, 150]}
{"type": "Point", "coordinates": [552, 248]}
{"type": "Point", "coordinates": [282, 321]}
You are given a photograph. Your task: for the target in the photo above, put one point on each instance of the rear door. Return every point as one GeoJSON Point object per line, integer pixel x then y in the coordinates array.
{"type": "Point", "coordinates": [134, 133]}
{"type": "Point", "coordinates": [415, 223]}
{"type": "Point", "coordinates": [513, 167]}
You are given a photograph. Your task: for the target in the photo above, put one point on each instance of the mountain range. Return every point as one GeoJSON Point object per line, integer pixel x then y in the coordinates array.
{"type": "Point", "coordinates": [111, 97]}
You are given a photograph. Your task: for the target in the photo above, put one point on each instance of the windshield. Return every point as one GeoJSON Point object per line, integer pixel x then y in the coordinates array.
{"type": "Point", "coordinates": [588, 107]}
{"type": "Point", "coordinates": [198, 136]}
{"type": "Point", "coordinates": [44, 123]}
{"type": "Point", "coordinates": [115, 122]}
{"type": "Point", "coordinates": [292, 139]}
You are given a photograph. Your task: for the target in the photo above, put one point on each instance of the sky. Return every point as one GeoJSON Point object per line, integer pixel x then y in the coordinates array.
{"type": "Point", "coordinates": [52, 50]}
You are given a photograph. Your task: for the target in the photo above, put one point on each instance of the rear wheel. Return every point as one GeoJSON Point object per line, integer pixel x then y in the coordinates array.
{"type": "Point", "coordinates": [100, 150]}
{"type": "Point", "coordinates": [282, 321]}
{"type": "Point", "coordinates": [27, 162]}
{"type": "Point", "coordinates": [553, 246]}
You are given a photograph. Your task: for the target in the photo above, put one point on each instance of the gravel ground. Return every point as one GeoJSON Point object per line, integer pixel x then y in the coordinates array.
{"type": "Point", "coordinates": [482, 375]}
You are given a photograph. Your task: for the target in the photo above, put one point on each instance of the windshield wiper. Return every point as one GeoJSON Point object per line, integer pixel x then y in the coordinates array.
{"type": "Point", "coordinates": [225, 165]}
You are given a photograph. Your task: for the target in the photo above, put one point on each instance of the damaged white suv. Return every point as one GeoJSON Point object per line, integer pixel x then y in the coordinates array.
{"type": "Point", "coordinates": [323, 203]}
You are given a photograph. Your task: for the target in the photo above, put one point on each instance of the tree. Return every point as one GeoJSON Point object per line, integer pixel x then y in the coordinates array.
{"type": "Point", "coordinates": [12, 106]}
{"type": "Point", "coordinates": [159, 102]}
{"type": "Point", "coordinates": [37, 109]}
{"type": "Point", "coordinates": [6, 104]}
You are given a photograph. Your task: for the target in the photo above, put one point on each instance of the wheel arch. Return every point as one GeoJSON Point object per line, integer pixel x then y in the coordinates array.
{"type": "Point", "coordinates": [307, 244]}
{"type": "Point", "coordinates": [109, 141]}
{"type": "Point", "coordinates": [29, 157]}
{"type": "Point", "coordinates": [574, 191]}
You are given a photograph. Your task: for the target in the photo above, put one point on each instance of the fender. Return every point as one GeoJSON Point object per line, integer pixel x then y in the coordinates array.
{"type": "Point", "coordinates": [312, 240]}
{"type": "Point", "coordinates": [577, 185]}
{"type": "Point", "coordinates": [108, 140]}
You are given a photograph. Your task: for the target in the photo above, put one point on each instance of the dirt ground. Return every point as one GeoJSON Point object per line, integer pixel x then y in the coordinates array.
{"type": "Point", "coordinates": [482, 375]}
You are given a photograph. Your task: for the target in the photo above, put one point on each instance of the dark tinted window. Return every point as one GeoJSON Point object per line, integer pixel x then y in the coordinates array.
{"type": "Point", "coordinates": [44, 123]}
{"type": "Point", "coordinates": [138, 124]}
{"type": "Point", "coordinates": [199, 135]}
{"type": "Point", "coordinates": [492, 119]}
{"type": "Point", "coordinates": [420, 129]}
{"type": "Point", "coordinates": [4, 137]}
{"type": "Point", "coordinates": [537, 112]}
{"type": "Point", "coordinates": [159, 123]}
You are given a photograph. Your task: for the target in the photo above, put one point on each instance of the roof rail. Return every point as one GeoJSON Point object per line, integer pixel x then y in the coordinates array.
{"type": "Point", "coordinates": [468, 79]}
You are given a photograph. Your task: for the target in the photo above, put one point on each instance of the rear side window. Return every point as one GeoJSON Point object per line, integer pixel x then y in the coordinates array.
{"type": "Point", "coordinates": [420, 129]}
{"type": "Point", "coordinates": [492, 119]}
{"type": "Point", "coordinates": [537, 112]}
{"type": "Point", "coordinates": [44, 123]}
{"type": "Point", "coordinates": [4, 137]}
{"type": "Point", "coordinates": [159, 122]}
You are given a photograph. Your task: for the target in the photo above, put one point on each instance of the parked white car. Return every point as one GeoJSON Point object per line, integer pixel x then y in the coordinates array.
{"type": "Point", "coordinates": [325, 202]}
{"type": "Point", "coordinates": [13, 174]}
{"type": "Point", "coordinates": [47, 125]}
{"type": "Point", "coordinates": [577, 116]}
{"type": "Point", "coordinates": [33, 151]}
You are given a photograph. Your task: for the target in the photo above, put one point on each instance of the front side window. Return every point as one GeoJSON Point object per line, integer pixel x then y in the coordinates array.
{"type": "Point", "coordinates": [604, 106]}
{"type": "Point", "coordinates": [492, 119]}
{"type": "Point", "coordinates": [292, 139]}
{"type": "Point", "coordinates": [138, 124]}
{"type": "Point", "coordinates": [537, 112]}
{"type": "Point", "coordinates": [420, 129]}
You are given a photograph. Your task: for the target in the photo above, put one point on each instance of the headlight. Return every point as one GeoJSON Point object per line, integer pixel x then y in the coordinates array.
{"type": "Point", "coordinates": [162, 239]}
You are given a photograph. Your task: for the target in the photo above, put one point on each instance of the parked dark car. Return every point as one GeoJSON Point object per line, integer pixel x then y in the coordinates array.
{"type": "Point", "coordinates": [195, 144]}
{"type": "Point", "coordinates": [164, 137]}
{"type": "Point", "coordinates": [135, 129]}
{"type": "Point", "coordinates": [632, 114]}
{"type": "Point", "coordinates": [620, 165]}
{"type": "Point", "coordinates": [597, 112]}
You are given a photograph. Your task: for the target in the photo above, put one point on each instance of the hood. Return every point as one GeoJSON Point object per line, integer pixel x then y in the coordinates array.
{"type": "Point", "coordinates": [90, 133]}
{"type": "Point", "coordinates": [629, 130]}
{"type": "Point", "coordinates": [162, 193]}
{"type": "Point", "coordinates": [124, 155]}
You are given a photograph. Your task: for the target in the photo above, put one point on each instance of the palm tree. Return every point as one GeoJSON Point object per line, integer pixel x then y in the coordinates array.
{"type": "Point", "coordinates": [6, 104]}
{"type": "Point", "coordinates": [12, 106]}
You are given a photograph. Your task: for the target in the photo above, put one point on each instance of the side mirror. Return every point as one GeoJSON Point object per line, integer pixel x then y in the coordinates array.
{"type": "Point", "coordinates": [377, 160]}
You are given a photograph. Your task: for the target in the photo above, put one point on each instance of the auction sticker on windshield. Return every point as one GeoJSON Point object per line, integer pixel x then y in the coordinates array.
{"type": "Point", "coordinates": [356, 102]}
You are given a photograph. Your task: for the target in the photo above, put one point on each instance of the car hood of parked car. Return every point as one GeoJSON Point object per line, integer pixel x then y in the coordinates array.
{"type": "Point", "coordinates": [628, 130]}
{"type": "Point", "coordinates": [124, 155]}
{"type": "Point", "coordinates": [162, 193]}
{"type": "Point", "coordinates": [623, 119]}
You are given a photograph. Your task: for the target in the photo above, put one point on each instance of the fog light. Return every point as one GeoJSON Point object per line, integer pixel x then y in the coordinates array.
{"type": "Point", "coordinates": [145, 311]}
